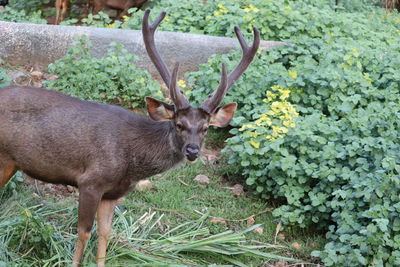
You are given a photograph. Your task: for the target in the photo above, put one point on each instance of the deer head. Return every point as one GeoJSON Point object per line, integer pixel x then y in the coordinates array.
{"type": "Point", "coordinates": [191, 124]}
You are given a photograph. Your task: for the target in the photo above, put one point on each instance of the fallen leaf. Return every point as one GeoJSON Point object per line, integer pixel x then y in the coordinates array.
{"type": "Point", "coordinates": [218, 220]}
{"type": "Point", "coordinates": [237, 190]}
{"type": "Point", "coordinates": [38, 75]}
{"type": "Point", "coordinates": [51, 77]}
{"type": "Point", "coordinates": [202, 179]}
{"type": "Point", "coordinates": [296, 245]}
{"type": "Point", "coordinates": [281, 236]}
{"type": "Point", "coordinates": [259, 230]}
{"type": "Point", "coordinates": [250, 221]}
{"type": "Point", "coordinates": [143, 185]}
{"type": "Point", "coordinates": [277, 229]}
{"type": "Point", "coordinates": [281, 263]}
{"type": "Point", "coordinates": [313, 244]}
{"type": "Point", "coordinates": [210, 155]}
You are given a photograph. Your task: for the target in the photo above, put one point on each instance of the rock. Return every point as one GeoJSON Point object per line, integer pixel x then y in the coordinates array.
{"type": "Point", "coordinates": [237, 190]}
{"type": "Point", "coordinates": [281, 263]}
{"type": "Point", "coordinates": [143, 185]}
{"type": "Point", "coordinates": [202, 179]}
{"type": "Point", "coordinates": [19, 78]}
{"type": "Point", "coordinates": [70, 188]}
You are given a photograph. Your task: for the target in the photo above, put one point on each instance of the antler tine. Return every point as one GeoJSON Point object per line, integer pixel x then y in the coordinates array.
{"type": "Point", "coordinates": [148, 38]}
{"type": "Point", "coordinates": [148, 31]}
{"type": "Point", "coordinates": [176, 95]}
{"type": "Point", "coordinates": [212, 102]}
{"type": "Point", "coordinates": [249, 52]}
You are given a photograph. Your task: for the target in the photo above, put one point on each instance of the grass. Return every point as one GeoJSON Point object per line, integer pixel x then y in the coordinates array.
{"type": "Point", "coordinates": [169, 225]}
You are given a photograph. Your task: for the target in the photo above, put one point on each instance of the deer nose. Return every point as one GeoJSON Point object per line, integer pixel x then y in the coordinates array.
{"type": "Point", "coordinates": [192, 152]}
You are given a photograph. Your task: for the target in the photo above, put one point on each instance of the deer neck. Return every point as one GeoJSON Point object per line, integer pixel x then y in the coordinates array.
{"type": "Point", "coordinates": [159, 149]}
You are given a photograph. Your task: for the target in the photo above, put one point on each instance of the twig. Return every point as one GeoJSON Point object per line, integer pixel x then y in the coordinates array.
{"type": "Point", "coordinates": [192, 197]}
{"type": "Point", "coordinates": [182, 182]}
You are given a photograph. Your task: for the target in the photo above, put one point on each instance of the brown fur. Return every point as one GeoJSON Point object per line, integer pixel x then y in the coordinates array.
{"type": "Point", "coordinates": [7, 170]}
{"type": "Point", "coordinates": [59, 139]}
{"type": "Point", "coordinates": [121, 5]}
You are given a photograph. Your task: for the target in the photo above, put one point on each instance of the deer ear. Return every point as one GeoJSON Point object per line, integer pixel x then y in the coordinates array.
{"type": "Point", "coordinates": [222, 116]}
{"type": "Point", "coordinates": [158, 110]}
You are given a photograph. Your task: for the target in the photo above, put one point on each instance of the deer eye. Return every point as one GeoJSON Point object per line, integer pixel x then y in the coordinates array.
{"type": "Point", "coordinates": [205, 129]}
{"type": "Point", "coordinates": [179, 126]}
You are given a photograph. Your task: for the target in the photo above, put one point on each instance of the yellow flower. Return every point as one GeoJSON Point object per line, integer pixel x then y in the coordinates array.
{"type": "Point", "coordinates": [246, 126]}
{"type": "Point", "coordinates": [254, 144]}
{"type": "Point", "coordinates": [251, 8]}
{"type": "Point", "coordinates": [181, 83]}
{"type": "Point", "coordinates": [222, 10]}
{"type": "Point", "coordinates": [111, 26]}
{"type": "Point", "coordinates": [254, 134]}
{"type": "Point", "coordinates": [285, 94]}
{"type": "Point", "coordinates": [293, 74]}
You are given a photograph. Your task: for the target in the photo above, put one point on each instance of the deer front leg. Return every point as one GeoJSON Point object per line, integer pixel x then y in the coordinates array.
{"type": "Point", "coordinates": [87, 7]}
{"type": "Point", "coordinates": [7, 170]}
{"type": "Point", "coordinates": [58, 11]}
{"type": "Point", "coordinates": [64, 10]}
{"type": "Point", "coordinates": [105, 213]}
{"type": "Point", "coordinates": [89, 199]}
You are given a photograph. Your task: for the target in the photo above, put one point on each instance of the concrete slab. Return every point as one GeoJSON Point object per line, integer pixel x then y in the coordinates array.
{"type": "Point", "coordinates": [28, 44]}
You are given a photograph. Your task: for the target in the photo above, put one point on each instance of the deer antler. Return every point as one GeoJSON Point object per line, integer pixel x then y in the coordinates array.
{"type": "Point", "coordinates": [148, 31]}
{"type": "Point", "coordinates": [212, 102]}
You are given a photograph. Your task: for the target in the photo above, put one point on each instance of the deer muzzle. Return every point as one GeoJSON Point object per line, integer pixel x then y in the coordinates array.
{"type": "Point", "coordinates": [192, 152]}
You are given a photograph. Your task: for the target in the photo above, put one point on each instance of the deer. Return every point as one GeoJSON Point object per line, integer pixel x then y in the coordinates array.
{"type": "Point", "coordinates": [105, 150]}
{"type": "Point", "coordinates": [62, 9]}
{"type": "Point", "coordinates": [121, 5]}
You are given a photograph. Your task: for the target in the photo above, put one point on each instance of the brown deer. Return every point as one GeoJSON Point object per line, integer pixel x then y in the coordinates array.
{"type": "Point", "coordinates": [62, 9]}
{"type": "Point", "coordinates": [102, 149]}
{"type": "Point", "coordinates": [121, 5]}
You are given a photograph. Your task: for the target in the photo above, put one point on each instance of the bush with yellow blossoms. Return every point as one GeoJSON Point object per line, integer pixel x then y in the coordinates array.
{"type": "Point", "coordinates": [275, 122]}
{"type": "Point", "coordinates": [274, 119]}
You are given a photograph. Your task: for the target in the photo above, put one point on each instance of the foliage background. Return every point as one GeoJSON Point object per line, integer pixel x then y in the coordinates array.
{"type": "Point", "coordinates": [113, 78]}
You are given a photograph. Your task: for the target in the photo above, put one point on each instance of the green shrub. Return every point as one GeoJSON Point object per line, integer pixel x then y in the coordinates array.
{"type": "Point", "coordinates": [14, 15]}
{"type": "Point", "coordinates": [28, 5]}
{"type": "Point", "coordinates": [112, 78]}
{"type": "Point", "coordinates": [338, 169]}
{"type": "Point", "coordinates": [276, 20]}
